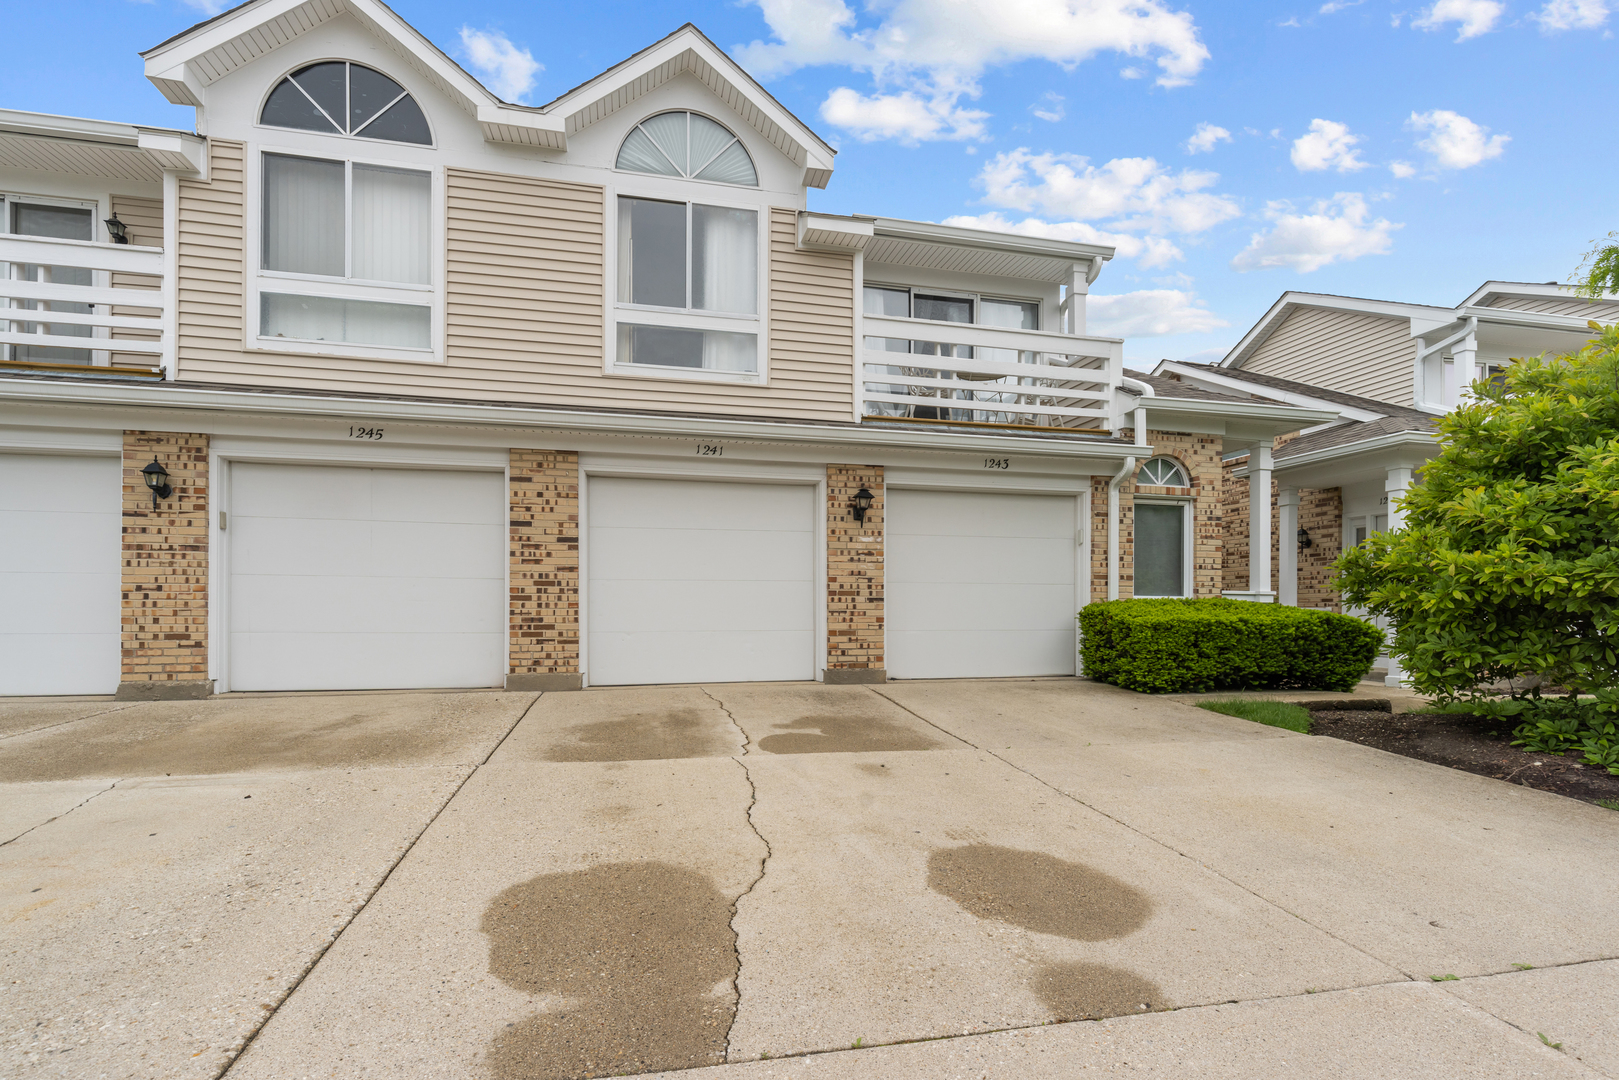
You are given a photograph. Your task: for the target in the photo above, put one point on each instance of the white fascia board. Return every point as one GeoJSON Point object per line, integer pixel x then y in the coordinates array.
{"type": "Point", "coordinates": [1529, 320]}
{"type": "Point", "coordinates": [1528, 289]}
{"type": "Point", "coordinates": [828, 232]}
{"type": "Point", "coordinates": [103, 395]}
{"type": "Point", "coordinates": [1285, 418]}
{"type": "Point", "coordinates": [522, 127]}
{"type": "Point", "coordinates": [984, 239]}
{"type": "Point", "coordinates": [47, 125]}
{"type": "Point", "coordinates": [1212, 381]}
{"type": "Point", "coordinates": [1288, 301]}
{"type": "Point", "coordinates": [1427, 442]}
{"type": "Point", "coordinates": [176, 151]}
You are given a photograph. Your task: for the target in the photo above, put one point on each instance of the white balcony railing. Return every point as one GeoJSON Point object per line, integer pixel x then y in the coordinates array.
{"type": "Point", "coordinates": [78, 302]}
{"type": "Point", "coordinates": [924, 369]}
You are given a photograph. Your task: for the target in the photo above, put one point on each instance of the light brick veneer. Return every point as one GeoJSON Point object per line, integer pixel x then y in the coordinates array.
{"type": "Point", "coordinates": [1321, 512]}
{"type": "Point", "coordinates": [165, 569]}
{"type": "Point", "coordinates": [544, 539]}
{"type": "Point", "coordinates": [854, 577]}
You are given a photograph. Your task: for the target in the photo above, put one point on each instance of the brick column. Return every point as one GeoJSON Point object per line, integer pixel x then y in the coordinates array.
{"type": "Point", "coordinates": [165, 570]}
{"type": "Point", "coordinates": [854, 577]}
{"type": "Point", "coordinates": [544, 605]}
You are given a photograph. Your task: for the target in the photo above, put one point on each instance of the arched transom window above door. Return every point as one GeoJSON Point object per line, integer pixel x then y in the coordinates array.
{"type": "Point", "coordinates": [687, 144]}
{"type": "Point", "coordinates": [336, 97]}
{"type": "Point", "coordinates": [1163, 472]}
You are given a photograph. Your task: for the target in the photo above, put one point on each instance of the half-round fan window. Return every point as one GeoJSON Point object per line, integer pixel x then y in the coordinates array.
{"type": "Point", "coordinates": [1162, 472]}
{"type": "Point", "coordinates": [686, 144]}
{"type": "Point", "coordinates": [336, 97]}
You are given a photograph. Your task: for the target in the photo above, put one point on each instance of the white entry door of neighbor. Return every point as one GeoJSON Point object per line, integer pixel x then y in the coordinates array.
{"type": "Point", "coordinates": [980, 584]}
{"type": "Point", "coordinates": [61, 526]}
{"type": "Point", "coordinates": [699, 581]}
{"type": "Point", "coordinates": [365, 579]}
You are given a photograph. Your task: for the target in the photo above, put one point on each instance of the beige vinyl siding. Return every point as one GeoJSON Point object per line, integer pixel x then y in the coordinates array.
{"type": "Point", "coordinates": [144, 221]}
{"type": "Point", "coordinates": [525, 312]}
{"type": "Point", "coordinates": [1600, 310]}
{"type": "Point", "coordinates": [1345, 351]}
{"type": "Point", "coordinates": [211, 267]}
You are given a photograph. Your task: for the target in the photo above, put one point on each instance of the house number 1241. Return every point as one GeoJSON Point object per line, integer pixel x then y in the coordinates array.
{"type": "Point", "coordinates": [710, 450]}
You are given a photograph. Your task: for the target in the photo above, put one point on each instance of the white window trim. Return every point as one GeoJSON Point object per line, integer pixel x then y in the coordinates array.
{"type": "Point", "coordinates": [1188, 585]}
{"type": "Point", "coordinates": [258, 112]}
{"type": "Point", "coordinates": [100, 210]}
{"type": "Point", "coordinates": [679, 189]}
{"type": "Point", "coordinates": [976, 297]}
{"type": "Point", "coordinates": [260, 281]}
{"type": "Point", "coordinates": [752, 160]}
{"type": "Point", "coordinates": [1185, 473]}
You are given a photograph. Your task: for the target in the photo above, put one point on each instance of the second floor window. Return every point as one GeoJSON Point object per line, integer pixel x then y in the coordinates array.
{"type": "Point", "coordinates": [346, 253]}
{"type": "Point", "coordinates": [688, 285]}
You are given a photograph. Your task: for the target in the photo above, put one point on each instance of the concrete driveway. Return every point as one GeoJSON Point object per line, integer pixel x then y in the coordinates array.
{"type": "Point", "coordinates": [912, 880]}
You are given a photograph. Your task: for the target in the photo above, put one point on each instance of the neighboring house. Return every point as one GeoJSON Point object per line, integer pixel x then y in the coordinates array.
{"type": "Point", "coordinates": [441, 391]}
{"type": "Point", "coordinates": [1387, 370]}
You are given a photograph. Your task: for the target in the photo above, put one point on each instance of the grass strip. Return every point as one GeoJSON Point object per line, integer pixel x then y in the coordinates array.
{"type": "Point", "coordinates": [1274, 713]}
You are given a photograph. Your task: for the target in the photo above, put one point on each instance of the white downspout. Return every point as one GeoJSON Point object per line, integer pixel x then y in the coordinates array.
{"type": "Point", "coordinates": [1124, 473]}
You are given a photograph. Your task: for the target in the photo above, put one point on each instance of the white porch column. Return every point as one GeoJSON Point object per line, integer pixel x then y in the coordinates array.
{"type": "Point", "coordinates": [1078, 286]}
{"type": "Point", "coordinates": [1464, 358]}
{"type": "Point", "coordinates": [1396, 485]}
{"type": "Point", "coordinates": [1259, 466]}
{"type": "Point", "coordinates": [1287, 548]}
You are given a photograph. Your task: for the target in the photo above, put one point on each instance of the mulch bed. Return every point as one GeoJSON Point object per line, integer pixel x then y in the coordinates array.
{"type": "Point", "coordinates": [1473, 744]}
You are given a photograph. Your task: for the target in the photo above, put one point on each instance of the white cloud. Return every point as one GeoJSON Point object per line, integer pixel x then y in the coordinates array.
{"type": "Point", "coordinates": [1149, 313]}
{"type": "Point", "coordinates": [1132, 73]}
{"type": "Point", "coordinates": [1133, 194]}
{"type": "Point", "coordinates": [1454, 140]}
{"type": "Point", "coordinates": [1049, 107]}
{"type": "Point", "coordinates": [1332, 7]}
{"type": "Point", "coordinates": [1474, 17]}
{"type": "Point", "coordinates": [1149, 250]}
{"type": "Point", "coordinates": [936, 50]}
{"type": "Point", "coordinates": [1327, 145]}
{"type": "Point", "coordinates": [1205, 137]}
{"type": "Point", "coordinates": [503, 67]}
{"type": "Point", "coordinates": [1571, 15]}
{"type": "Point", "coordinates": [1337, 230]}
{"type": "Point", "coordinates": [207, 7]}
{"type": "Point", "coordinates": [905, 116]}
{"type": "Point", "coordinates": [1402, 170]}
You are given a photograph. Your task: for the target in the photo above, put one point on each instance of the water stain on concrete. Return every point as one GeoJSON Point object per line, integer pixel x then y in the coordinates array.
{"type": "Point", "coordinates": [871, 769]}
{"type": "Point", "coordinates": [856, 734]}
{"type": "Point", "coordinates": [1081, 991]}
{"type": "Point", "coordinates": [643, 955]}
{"type": "Point", "coordinates": [647, 736]}
{"type": "Point", "coordinates": [1038, 892]}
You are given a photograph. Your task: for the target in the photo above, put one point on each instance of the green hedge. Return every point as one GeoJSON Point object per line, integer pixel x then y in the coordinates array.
{"type": "Point", "coordinates": [1171, 646]}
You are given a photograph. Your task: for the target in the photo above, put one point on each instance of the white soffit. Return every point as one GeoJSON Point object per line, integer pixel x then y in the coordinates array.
{"type": "Point", "coordinates": [688, 52]}
{"type": "Point", "coordinates": [822, 232]}
{"type": "Point", "coordinates": [927, 246]}
{"type": "Point", "coordinates": [76, 158]}
{"type": "Point", "coordinates": [67, 144]}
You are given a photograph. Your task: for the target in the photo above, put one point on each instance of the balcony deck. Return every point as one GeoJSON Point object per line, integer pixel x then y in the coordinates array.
{"type": "Point", "coordinates": [115, 323]}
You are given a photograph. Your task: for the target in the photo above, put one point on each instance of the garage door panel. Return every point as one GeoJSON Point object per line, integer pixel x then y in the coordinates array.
{"type": "Point", "coordinates": [339, 582]}
{"type": "Point", "coordinates": [696, 606]}
{"type": "Point", "coordinates": [61, 547]}
{"type": "Point", "coordinates": [380, 661]}
{"type": "Point", "coordinates": [946, 654]}
{"type": "Point", "coordinates": [660, 555]}
{"type": "Point", "coordinates": [973, 513]}
{"type": "Point", "coordinates": [58, 484]}
{"type": "Point", "coordinates": [368, 548]}
{"type": "Point", "coordinates": [961, 559]}
{"type": "Point", "coordinates": [698, 656]}
{"type": "Point", "coordinates": [363, 605]}
{"type": "Point", "coordinates": [700, 505]}
{"type": "Point", "coordinates": [987, 607]}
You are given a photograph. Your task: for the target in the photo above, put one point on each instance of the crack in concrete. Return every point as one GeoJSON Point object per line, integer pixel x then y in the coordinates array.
{"type": "Point", "coordinates": [236, 1055]}
{"type": "Point", "coordinates": [736, 946]}
{"type": "Point", "coordinates": [75, 720]}
{"type": "Point", "coordinates": [64, 813]}
{"type": "Point", "coordinates": [1411, 976]}
{"type": "Point", "coordinates": [747, 741]}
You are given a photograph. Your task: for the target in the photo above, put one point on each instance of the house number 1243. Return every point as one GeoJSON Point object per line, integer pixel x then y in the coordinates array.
{"type": "Point", "coordinates": [997, 463]}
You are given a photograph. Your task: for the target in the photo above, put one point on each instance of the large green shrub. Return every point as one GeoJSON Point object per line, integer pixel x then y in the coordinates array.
{"type": "Point", "coordinates": [1168, 646]}
{"type": "Point", "coordinates": [1505, 570]}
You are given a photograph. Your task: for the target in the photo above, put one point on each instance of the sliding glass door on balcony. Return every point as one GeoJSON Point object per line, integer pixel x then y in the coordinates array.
{"type": "Point", "coordinates": [24, 218]}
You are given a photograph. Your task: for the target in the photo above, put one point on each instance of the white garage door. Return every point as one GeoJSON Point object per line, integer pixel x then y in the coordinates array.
{"type": "Point", "coordinates": [692, 581]}
{"type": "Point", "coordinates": [61, 525]}
{"type": "Point", "coordinates": [361, 579]}
{"type": "Point", "coordinates": [980, 585]}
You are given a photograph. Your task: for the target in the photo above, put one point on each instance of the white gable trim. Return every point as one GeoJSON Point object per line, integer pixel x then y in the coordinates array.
{"type": "Point", "coordinates": [1208, 380]}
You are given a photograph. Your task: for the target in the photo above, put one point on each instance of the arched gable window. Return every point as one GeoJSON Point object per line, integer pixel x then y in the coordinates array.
{"type": "Point", "coordinates": [687, 144]}
{"type": "Point", "coordinates": [336, 97]}
{"type": "Point", "coordinates": [1163, 472]}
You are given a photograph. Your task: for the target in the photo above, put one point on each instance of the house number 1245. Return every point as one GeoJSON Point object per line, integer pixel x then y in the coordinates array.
{"type": "Point", "coordinates": [365, 433]}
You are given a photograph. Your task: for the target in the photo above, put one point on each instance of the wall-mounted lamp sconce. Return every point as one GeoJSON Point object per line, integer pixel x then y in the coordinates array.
{"type": "Point", "coordinates": [117, 229]}
{"type": "Point", "coordinates": [157, 478]}
{"type": "Point", "coordinates": [861, 503]}
{"type": "Point", "coordinates": [1304, 539]}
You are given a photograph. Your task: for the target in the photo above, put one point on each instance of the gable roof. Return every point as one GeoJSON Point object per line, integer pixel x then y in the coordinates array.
{"type": "Point", "coordinates": [184, 66]}
{"type": "Point", "coordinates": [1292, 301]}
{"type": "Point", "coordinates": [1173, 388]}
{"type": "Point", "coordinates": [1321, 393]}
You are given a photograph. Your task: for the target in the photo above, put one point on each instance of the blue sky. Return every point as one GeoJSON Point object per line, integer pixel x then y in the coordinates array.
{"type": "Point", "coordinates": [1398, 150]}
